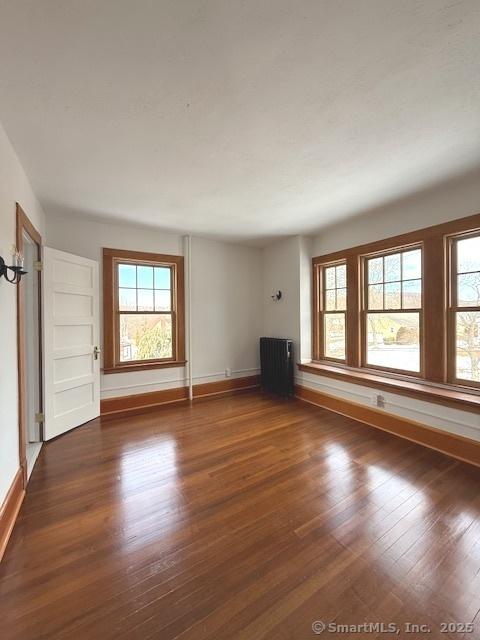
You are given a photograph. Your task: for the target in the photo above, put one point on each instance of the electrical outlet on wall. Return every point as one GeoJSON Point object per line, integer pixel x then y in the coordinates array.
{"type": "Point", "coordinates": [228, 373]}
{"type": "Point", "coordinates": [378, 400]}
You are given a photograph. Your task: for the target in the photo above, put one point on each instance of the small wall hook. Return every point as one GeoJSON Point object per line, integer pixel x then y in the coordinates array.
{"type": "Point", "coordinates": [276, 296]}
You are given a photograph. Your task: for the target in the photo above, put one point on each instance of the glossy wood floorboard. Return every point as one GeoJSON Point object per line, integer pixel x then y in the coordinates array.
{"type": "Point", "coordinates": [241, 517]}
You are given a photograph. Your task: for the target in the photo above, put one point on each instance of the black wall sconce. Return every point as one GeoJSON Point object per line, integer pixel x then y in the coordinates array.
{"type": "Point", "coordinates": [276, 296]}
{"type": "Point", "coordinates": [16, 268]}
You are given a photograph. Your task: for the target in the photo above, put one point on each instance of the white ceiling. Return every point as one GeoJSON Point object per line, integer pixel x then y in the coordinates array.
{"type": "Point", "coordinates": [242, 119]}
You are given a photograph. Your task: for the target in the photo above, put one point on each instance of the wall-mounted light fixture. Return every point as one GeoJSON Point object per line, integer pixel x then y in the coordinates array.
{"type": "Point", "coordinates": [276, 296]}
{"type": "Point", "coordinates": [16, 268]}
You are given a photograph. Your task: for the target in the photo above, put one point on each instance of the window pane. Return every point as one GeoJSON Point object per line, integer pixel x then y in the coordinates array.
{"type": "Point", "coordinates": [468, 294]}
{"type": "Point", "coordinates": [375, 270]}
{"type": "Point", "coordinates": [392, 295]}
{"type": "Point", "coordinates": [162, 278]}
{"type": "Point", "coordinates": [468, 255]}
{"type": "Point", "coordinates": [145, 337]}
{"type": "Point", "coordinates": [145, 299]}
{"type": "Point", "coordinates": [162, 301]}
{"type": "Point", "coordinates": [145, 277]}
{"type": "Point", "coordinates": [412, 264]}
{"type": "Point", "coordinates": [341, 276]}
{"type": "Point", "coordinates": [330, 278]}
{"type": "Point", "coordinates": [392, 267]}
{"type": "Point", "coordinates": [341, 299]}
{"type": "Point", "coordinates": [468, 345]}
{"type": "Point", "coordinates": [127, 299]}
{"type": "Point", "coordinates": [335, 335]}
{"type": "Point", "coordinates": [393, 340]}
{"type": "Point", "coordinates": [330, 301]}
{"type": "Point", "coordinates": [412, 294]}
{"type": "Point", "coordinates": [375, 296]}
{"type": "Point", "coordinates": [127, 275]}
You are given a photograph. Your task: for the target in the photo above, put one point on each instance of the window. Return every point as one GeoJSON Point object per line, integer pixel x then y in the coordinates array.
{"type": "Point", "coordinates": [334, 305]}
{"type": "Point", "coordinates": [404, 308]}
{"type": "Point", "coordinates": [465, 309]}
{"type": "Point", "coordinates": [393, 310]}
{"type": "Point", "coordinates": [143, 310]}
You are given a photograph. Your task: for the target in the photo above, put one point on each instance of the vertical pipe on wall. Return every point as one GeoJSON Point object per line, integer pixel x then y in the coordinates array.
{"type": "Point", "coordinates": [187, 250]}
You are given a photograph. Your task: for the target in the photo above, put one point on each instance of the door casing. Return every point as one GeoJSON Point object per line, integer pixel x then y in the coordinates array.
{"type": "Point", "coordinates": [24, 225]}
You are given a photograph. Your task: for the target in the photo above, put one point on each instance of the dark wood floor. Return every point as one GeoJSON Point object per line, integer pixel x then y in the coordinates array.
{"type": "Point", "coordinates": [240, 518]}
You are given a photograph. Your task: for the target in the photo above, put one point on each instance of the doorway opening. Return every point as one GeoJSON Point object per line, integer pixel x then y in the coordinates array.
{"type": "Point", "coordinates": [29, 245]}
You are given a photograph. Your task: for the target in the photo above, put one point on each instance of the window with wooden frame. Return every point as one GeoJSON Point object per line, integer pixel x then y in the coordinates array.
{"type": "Point", "coordinates": [412, 315]}
{"type": "Point", "coordinates": [333, 308]}
{"type": "Point", "coordinates": [143, 298]}
{"type": "Point", "coordinates": [392, 311]}
{"type": "Point", "coordinates": [464, 309]}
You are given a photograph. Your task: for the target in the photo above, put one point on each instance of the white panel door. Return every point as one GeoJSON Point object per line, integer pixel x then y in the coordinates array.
{"type": "Point", "coordinates": [71, 333]}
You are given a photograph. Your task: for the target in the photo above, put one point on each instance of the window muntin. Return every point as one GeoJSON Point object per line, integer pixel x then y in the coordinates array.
{"type": "Point", "coordinates": [465, 308]}
{"type": "Point", "coordinates": [393, 311]}
{"type": "Point", "coordinates": [334, 306]}
{"type": "Point", "coordinates": [446, 296]}
{"type": "Point", "coordinates": [144, 307]}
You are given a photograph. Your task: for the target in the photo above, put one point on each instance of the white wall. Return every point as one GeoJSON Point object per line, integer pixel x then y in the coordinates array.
{"type": "Point", "coordinates": [287, 267]}
{"type": "Point", "coordinates": [455, 199]}
{"type": "Point", "coordinates": [226, 309]}
{"type": "Point", "coordinates": [281, 271]}
{"type": "Point", "coordinates": [14, 187]}
{"type": "Point", "coordinates": [448, 201]}
{"type": "Point", "coordinates": [226, 298]}
{"type": "Point", "coordinates": [305, 248]}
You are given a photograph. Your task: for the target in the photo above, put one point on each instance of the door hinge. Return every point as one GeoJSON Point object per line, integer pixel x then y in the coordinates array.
{"type": "Point", "coordinates": [40, 417]}
{"type": "Point", "coordinates": [38, 265]}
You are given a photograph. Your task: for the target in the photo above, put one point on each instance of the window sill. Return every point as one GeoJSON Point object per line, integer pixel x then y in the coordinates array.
{"type": "Point", "coordinates": [125, 368]}
{"type": "Point", "coordinates": [446, 395]}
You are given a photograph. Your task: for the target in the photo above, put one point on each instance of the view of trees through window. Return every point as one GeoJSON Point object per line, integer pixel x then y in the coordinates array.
{"type": "Point", "coordinates": [145, 310]}
{"type": "Point", "coordinates": [414, 305]}
{"type": "Point", "coordinates": [394, 301]}
{"type": "Point", "coordinates": [334, 306]}
{"type": "Point", "coordinates": [467, 309]}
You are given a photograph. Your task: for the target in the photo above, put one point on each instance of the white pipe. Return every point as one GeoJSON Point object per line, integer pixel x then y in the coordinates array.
{"type": "Point", "coordinates": [188, 314]}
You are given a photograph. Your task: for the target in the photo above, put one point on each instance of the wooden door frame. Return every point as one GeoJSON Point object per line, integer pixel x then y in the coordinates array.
{"type": "Point", "coordinates": [24, 225]}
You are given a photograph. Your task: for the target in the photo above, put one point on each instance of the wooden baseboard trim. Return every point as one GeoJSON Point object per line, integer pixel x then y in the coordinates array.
{"type": "Point", "coordinates": [143, 402]}
{"type": "Point", "coordinates": [139, 402]}
{"type": "Point", "coordinates": [452, 445]}
{"type": "Point", "coordinates": [230, 385]}
{"type": "Point", "coordinates": [9, 510]}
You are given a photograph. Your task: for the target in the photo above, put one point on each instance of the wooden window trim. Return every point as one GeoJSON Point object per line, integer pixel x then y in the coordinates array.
{"type": "Point", "coordinates": [436, 324]}
{"type": "Point", "coordinates": [111, 257]}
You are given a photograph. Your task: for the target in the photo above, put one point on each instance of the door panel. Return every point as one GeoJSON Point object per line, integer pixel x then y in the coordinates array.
{"type": "Point", "coordinates": [71, 332]}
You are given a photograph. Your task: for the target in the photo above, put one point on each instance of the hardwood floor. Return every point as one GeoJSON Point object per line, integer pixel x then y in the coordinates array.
{"type": "Point", "coordinates": [240, 517]}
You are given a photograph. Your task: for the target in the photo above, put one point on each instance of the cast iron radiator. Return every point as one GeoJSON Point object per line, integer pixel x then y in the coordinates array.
{"type": "Point", "coordinates": [276, 361]}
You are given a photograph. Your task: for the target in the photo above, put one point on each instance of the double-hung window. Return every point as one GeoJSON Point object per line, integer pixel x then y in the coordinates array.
{"type": "Point", "coordinates": [333, 311]}
{"type": "Point", "coordinates": [403, 312]}
{"type": "Point", "coordinates": [464, 314]}
{"type": "Point", "coordinates": [143, 310]}
{"type": "Point", "coordinates": [393, 311]}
